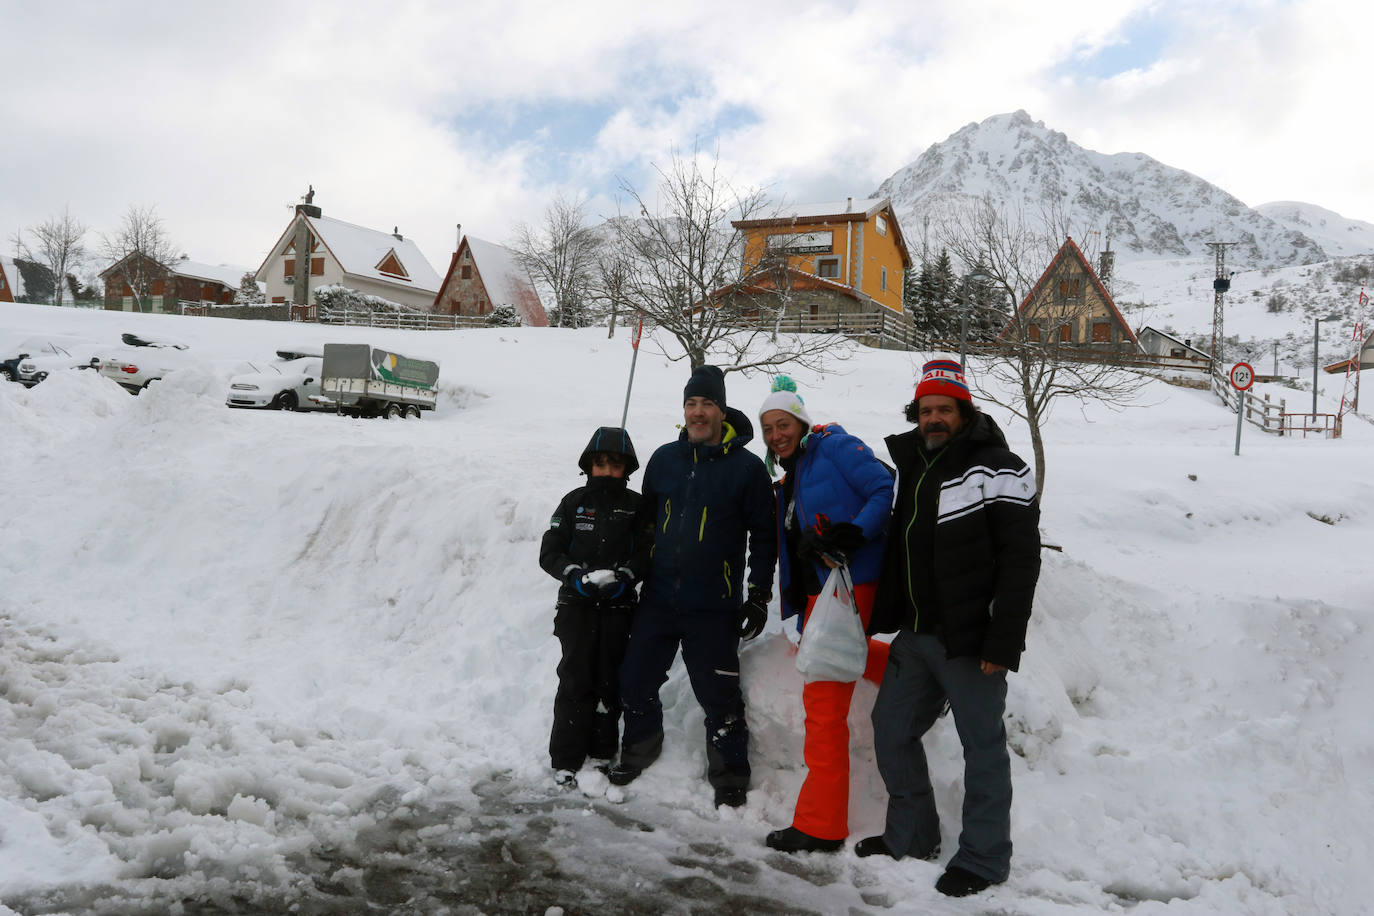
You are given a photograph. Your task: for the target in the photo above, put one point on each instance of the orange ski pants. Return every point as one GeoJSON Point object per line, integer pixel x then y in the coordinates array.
{"type": "Point", "coordinates": [823, 805]}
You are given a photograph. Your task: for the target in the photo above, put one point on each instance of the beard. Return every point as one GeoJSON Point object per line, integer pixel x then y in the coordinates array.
{"type": "Point", "coordinates": [936, 434]}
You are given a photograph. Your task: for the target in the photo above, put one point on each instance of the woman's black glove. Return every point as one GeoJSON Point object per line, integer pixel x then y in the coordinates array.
{"type": "Point", "coordinates": [836, 542]}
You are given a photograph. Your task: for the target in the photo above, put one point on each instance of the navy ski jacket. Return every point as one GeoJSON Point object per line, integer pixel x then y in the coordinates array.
{"type": "Point", "coordinates": [709, 501]}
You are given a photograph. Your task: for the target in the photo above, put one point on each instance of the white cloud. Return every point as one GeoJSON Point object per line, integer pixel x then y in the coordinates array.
{"type": "Point", "coordinates": [410, 114]}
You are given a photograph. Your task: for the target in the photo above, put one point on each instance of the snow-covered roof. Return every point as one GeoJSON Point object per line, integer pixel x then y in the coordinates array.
{"type": "Point", "coordinates": [228, 274]}
{"type": "Point", "coordinates": [506, 281]}
{"type": "Point", "coordinates": [13, 277]}
{"type": "Point", "coordinates": [1165, 334]}
{"type": "Point", "coordinates": [850, 207]}
{"type": "Point", "coordinates": [833, 208]}
{"type": "Point", "coordinates": [361, 251]}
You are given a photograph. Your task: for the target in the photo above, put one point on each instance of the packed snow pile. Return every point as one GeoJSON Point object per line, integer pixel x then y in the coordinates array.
{"type": "Point", "coordinates": [260, 660]}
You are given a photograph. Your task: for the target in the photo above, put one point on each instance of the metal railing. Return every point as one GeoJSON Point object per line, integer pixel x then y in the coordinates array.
{"type": "Point", "coordinates": [414, 321]}
{"type": "Point", "coordinates": [1326, 425]}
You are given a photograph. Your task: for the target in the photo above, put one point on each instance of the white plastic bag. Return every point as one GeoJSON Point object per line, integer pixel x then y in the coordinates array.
{"type": "Point", "coordinates": [834, 646]}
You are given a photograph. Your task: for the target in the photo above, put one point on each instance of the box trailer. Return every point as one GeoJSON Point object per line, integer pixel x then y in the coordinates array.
{"type": "Point", "coordinates": [363, 381]}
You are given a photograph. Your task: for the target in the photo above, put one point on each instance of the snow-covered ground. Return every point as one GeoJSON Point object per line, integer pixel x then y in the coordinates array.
{"type": "Point", "coordinates": [252, 661]}
{"type": "Point", "coordinates": [1177, 293]}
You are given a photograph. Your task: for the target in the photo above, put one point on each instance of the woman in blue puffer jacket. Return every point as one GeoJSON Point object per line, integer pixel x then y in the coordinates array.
{"type": "Point", "coordinates": [834, 502]}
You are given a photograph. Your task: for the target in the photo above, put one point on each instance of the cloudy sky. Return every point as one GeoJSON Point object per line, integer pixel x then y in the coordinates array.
{"type": "Point", "coordinates": [424, 114]}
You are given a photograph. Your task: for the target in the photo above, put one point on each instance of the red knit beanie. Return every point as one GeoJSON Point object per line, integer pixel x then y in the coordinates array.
{"type": "Point", "coordinates": [943, 376]}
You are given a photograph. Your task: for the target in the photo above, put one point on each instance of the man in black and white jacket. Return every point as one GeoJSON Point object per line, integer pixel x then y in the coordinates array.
{"type": "Point", "coordinates": [957, 587]}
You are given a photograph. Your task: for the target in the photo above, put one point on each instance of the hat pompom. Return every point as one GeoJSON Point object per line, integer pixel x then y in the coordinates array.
{"type": "Point", "coordinates": [783, 383]}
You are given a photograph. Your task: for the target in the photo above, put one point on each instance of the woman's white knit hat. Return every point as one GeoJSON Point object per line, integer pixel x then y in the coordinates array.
{"type": "Point", "coordinates": [783, 396]}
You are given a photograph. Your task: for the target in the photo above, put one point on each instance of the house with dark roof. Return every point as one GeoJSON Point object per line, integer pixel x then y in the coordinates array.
{"type": "Point", "coordinates": [1070, 307]}
{"type": "Point", "coordinates": [482, 277]}
{"type": "Point", "coordinates": [315, 250]}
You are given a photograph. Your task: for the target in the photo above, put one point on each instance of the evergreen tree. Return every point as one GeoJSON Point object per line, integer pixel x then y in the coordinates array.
{"type": "Point", "coordinates": [249, 293]}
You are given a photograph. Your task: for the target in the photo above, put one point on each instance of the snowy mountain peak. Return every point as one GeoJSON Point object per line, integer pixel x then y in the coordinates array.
{"type": "Point", "coordinates": [1150, 210]}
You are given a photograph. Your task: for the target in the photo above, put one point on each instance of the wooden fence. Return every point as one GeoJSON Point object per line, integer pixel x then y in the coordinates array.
{"type": "Point", "coordinates": [1260, 413]}
{"type": "Point", "coordinates": [880, 329]}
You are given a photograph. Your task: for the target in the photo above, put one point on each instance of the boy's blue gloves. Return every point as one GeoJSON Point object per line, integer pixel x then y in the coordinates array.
{"type": "Point", "coordinates": [576, 577]}
{"type": "Point", "coordinates": [753, 614]}
{"type": "Point", "coordinates": [624, 581]}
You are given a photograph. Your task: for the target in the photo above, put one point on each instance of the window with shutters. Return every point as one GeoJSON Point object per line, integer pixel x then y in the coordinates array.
{"type": "Point", "coordinates": [1102, 332]}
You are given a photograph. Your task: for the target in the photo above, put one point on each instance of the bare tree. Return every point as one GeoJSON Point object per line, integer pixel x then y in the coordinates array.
{"type": "Point", "coordinates": [58, 244]}
{"type": "Point", "coordinates": [683, 268]}
{"type": "Point", "coordinates": [1012, 253]}
{"type": "Point", "coordinates": [140, 250]}
{"type": "Point", "coordinates": [612, 272]}
{"type": "Point", "coordinates": [561, 256]}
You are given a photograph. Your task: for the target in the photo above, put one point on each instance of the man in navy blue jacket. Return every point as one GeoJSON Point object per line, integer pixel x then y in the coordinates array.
{"type": "Point", "coordinates": [711, 499]}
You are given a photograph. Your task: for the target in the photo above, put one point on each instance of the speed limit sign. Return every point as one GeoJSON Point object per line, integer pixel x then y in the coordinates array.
{"type": "Point", "coordinates": [1242, 376]}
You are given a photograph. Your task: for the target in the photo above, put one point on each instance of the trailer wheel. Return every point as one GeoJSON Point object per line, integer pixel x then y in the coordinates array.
{"type": "Point", "coordinates": [412, 411]}
{"type": "Point", "coordinates": [391, 411]}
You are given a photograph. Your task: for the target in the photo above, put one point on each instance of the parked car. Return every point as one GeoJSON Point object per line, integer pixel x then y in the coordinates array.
{"type": "Point", "coordinates": [287, 385]}
{"type": "Point", "coordinates": [43, 345]}
{"type": "Point", "coordinates": [142, 361]}
{"type": "Point", "coordinates": [33, 369]}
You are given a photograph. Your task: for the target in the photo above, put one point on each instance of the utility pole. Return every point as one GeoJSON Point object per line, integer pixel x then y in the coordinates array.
{"type": "Point", "coordinates": [1220, 285]}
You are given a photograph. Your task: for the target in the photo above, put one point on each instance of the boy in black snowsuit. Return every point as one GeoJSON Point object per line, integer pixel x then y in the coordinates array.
{"type": "Point", "coordinates": [597, 545]}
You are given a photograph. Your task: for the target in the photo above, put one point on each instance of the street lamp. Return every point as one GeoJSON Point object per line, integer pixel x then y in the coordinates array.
{"type": "Point", "coordinates": [1316, 340]}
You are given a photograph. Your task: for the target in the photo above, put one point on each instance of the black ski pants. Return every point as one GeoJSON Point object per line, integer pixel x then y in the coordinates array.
{"type": "Point", "coordinates": [586, 707]}
{"type": "Point", "coordinates": [710, 651]}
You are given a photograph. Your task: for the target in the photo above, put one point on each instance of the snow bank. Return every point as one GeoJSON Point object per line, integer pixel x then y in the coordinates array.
{"type": "Point", "coordinates": [241, 648]}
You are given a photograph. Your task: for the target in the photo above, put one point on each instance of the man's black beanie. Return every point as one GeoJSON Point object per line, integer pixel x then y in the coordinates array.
{"type": "Point", "coordinates": [706, 382]}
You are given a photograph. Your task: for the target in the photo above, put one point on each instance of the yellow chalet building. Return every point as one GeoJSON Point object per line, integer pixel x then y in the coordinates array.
{"type": "Point", "coordinates": [843, 257]}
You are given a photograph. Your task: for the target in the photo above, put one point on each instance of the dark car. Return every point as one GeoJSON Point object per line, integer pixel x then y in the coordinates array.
{"type": "Point", "coordinates": [43, 345]}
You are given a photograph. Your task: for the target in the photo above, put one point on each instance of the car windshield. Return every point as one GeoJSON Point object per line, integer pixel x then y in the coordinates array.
{"type": "Point", "coordinates": [36, 345]}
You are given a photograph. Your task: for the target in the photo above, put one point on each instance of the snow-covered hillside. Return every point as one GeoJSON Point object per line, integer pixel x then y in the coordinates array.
{"type": "Point", "coordinates": [253, 661]}
{"type": "Point", "coordinates": [1336, 234]}
{"type": "Point", "coordinates": [1149, 210]}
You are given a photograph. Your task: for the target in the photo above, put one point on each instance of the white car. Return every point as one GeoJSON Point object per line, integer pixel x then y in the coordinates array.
{"type": "Point", "coordinates": [143, 361]}
{"type": "Point", "coordinates": [33, 369]}
{"type": "Point", "coordinates": [287, 385]}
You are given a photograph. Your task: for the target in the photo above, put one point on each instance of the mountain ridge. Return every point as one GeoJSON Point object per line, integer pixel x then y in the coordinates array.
{"type": "Point", "coordinates": [1147, 209]}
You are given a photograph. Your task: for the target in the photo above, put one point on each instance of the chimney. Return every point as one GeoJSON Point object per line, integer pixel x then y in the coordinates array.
{"type": "Point", "coordinates": [308, 205]}
{"type": "Point", "coordinates": [848, 204]}
{"type": "Point", "coordinates": [396, 233]}
{"type": "Point", "coordinates": [459, 240]}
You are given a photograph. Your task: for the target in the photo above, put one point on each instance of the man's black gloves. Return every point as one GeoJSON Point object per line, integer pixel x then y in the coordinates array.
{"type": "Point", "coordinates": [834, 541]}
{"type": "Point", "coordinates": [753, 614]}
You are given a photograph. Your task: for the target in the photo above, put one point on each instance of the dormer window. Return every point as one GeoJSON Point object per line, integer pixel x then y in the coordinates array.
{"type": "Point", "coordinates": [391, 266]}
